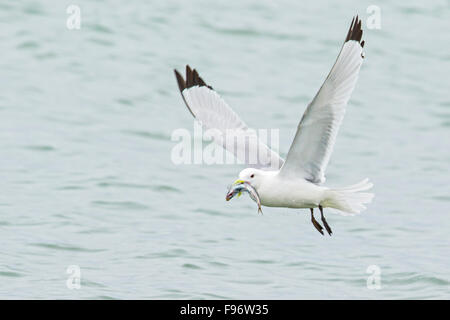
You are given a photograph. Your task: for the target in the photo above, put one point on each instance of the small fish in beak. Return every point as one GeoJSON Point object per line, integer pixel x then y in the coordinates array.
{"type": "Point", "coordinates": [238, 187]}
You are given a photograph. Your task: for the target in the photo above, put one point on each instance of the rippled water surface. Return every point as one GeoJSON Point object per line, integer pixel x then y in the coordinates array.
{"type": "Point", "coordinates": [86, 118]}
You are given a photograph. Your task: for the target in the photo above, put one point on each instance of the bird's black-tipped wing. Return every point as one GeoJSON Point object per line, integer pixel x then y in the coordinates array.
{"type": "Point", "coordinates": [316, 133]}
{"type": "Point", "coordinates": [229, 130]}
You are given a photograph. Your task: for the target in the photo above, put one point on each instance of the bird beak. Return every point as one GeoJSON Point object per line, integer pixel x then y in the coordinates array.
{"type": "Point", "coordinates": [230, 194]}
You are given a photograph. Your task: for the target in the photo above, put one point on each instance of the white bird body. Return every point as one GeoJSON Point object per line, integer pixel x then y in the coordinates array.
{"type": "Point", "coordinates": [293, 194]}
{"type": "Point", "coordinates": [274, 191]}
{"type": "Point", "coordinates": [295, 181]}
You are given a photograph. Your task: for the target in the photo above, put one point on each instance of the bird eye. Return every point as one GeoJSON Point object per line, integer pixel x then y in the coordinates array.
{"type": "Point", "coordinates": [252, 176]}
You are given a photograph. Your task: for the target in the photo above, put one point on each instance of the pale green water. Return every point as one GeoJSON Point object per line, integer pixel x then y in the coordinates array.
{"type": "Point", "coordinates": [86, 178]}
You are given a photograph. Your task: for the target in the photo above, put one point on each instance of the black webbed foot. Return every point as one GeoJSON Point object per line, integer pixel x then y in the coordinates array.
{"type": "Point", "coordinates": [315, 223]}
{"type": "Point", "coordinates": [327, 227]}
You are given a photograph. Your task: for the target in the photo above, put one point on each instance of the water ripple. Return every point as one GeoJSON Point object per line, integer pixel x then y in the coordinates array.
{"type": "Point", "coordinates": [65, 247]}
{"type": "Point", "coordinates": [120, 205]}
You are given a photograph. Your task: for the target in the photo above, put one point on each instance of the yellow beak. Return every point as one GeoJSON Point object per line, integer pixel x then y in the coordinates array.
{"type": "Point", "coordinates": [238, 181]}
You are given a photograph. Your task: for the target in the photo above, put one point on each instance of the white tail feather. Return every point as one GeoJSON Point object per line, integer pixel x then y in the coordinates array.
{"type": "Point", "coordinates": [349, 199]}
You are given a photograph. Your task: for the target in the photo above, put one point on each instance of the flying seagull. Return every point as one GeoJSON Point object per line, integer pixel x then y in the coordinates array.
{"type": "Point", "coordinates": [296, 181]}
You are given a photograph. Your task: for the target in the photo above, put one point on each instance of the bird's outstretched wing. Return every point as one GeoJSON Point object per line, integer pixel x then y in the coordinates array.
{"type": "Point", "coordinates": [316, 133]}
{"type": "Point", "coordinates": [229, 130]}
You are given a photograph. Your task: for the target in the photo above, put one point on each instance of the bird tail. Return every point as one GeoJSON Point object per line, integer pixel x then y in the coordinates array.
{"type": "Point", "coordinates": [349, 199]}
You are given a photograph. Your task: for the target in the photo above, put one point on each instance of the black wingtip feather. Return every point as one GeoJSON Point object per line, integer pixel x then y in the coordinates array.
{"type": "Point", "coordinates": [355, 32]}
{"type": "Point", "coordinates": [189, 77]}
{"type": "Point", "coordinates": [180, 80]}
{"type": "Point", "coordinates": [192, 79]}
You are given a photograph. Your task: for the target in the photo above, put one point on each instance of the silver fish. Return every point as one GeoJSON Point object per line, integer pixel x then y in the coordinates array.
{"type": "Point", "coordinates": [237, 189]}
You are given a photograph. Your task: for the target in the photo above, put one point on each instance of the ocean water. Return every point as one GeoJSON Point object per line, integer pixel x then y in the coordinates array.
{"type": "Point", "coordinates": [86, 118]}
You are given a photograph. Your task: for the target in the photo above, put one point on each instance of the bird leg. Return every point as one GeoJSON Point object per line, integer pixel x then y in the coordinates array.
{"type": "Point", "coordinates": [315, 223]}
{"type": "Point", "coordinates": [325, 221]}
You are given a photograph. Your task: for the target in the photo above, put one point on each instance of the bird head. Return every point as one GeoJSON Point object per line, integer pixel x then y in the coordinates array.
{"type": "Point", "coordinates": [250, 175]}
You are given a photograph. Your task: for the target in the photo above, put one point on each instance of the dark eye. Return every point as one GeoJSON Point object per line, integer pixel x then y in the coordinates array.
{"type": "Point", "coordinates": [252, 176]}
